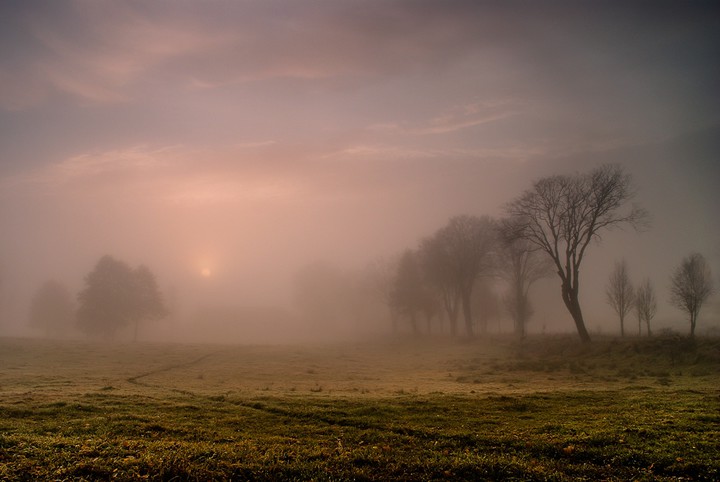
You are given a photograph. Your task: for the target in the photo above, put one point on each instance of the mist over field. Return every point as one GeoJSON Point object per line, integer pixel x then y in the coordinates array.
{"type": "Point", "coordinates": [359, 240]}
{"type": "Point", "coordinates": [263, 159]}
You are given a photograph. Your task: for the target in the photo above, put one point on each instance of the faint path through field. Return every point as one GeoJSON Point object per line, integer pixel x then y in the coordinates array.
{"type": "Point", "coordinates": [176, 366]}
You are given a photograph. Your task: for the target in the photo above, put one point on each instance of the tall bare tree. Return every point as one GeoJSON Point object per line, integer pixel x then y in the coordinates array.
{"type": "Point", "coordinates": [619, 292]}
{"type": "Point", "coordinates": [460, 252]}
{"type": "Point", "coordinates": [645, 305]}
{"type": "Point", "coordinates": [690, 285]}
{"type": "Point", "coordinates": [561, 215]}
{"type": "Point", "coordinates": [521, 265]}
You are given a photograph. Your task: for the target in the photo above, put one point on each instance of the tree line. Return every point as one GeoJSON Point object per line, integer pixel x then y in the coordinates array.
{"type": "Point", "coordinates": [691, 284]}
{"type": "Point", "coordinates": [547, 229]}
{"type": "Point", "coordinates": [446, 278]}
{"type": "Point", "coordinates": [115, 295]}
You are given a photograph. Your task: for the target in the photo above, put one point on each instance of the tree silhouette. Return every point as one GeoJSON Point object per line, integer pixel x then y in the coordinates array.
{"type": "Point", "coordinates": [436, 269]}
{"type": "Point", "coordinates": [521, 265]}
{"type": "Point", "coordinates": [115, 295]}
{"type": "Point", "coordinates": [456, 255]}
{"type": "Point", "coordinates": [619, 293]}
{"type": "Point", "coordinates": [690, 285]}
{"type": "Point", "coordinates": [561, 215]}
{"type": "Point", "coordinates": [645, 305]}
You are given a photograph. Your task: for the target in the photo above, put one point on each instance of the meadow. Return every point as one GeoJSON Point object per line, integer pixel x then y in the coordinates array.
{"type": "Point", "coordinates": [422, 409]}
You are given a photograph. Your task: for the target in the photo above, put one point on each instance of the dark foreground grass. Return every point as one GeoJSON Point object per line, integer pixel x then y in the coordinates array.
{"type": "Point", "coordinates": [604, 435]}
{"type": "Point", "coordinates": [635, 432]}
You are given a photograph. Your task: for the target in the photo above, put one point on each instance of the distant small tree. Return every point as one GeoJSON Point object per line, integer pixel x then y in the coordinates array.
{"type": "Point", "coordinates": [116, 295]}
{"type": "Point", "coordinates": [645, 305]}
{"type": "Point", "coordinates": [521, 265]}
{"type": "Point", "coordinates": [458, 254]}
{"type": "Point", "coordinates": [690, 285]}
{"type": "Point", "coordinates": [619, 293]}
{"type": "Point", "coordinates": [52, 308]}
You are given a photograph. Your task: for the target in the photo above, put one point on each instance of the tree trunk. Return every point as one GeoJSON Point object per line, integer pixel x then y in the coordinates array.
{"type": "Point", "coordinates": [467, 312]}
{"type": "Point", "coordinates": [451, 307]}
{"type": "Point", "coordinates": [520, 326]}
{"type": "Point", "coordinates": [693, 320]}
{"type": "Point", "coordinates": [622, 325]}
{"type": "Point", "coordinates": [570, 298]}
{"type": "Point", "coordinates": [521, 315]}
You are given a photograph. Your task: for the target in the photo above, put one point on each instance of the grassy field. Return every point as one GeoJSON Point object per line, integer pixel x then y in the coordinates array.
{"type": "Point", "coordinates": [550, 409]}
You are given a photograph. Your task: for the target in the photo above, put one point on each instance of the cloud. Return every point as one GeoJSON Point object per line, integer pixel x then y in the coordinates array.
{"type": "Point", "coordinates": [104, 52]}
{"type": "Point", "coordinates": [455, 118]}
{"type": "Point", "coordinates": [174, 175]}
{"type": "Point", "coordinates": [90, 167]}
{"type": "Point", "coordinates": [95, 51]}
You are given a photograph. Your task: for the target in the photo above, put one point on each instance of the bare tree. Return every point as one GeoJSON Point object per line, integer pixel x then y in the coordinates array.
{"type": "Point", "coordinates": [619, 293]}
{"type": "Point", "coordinates": [561, 215]}
{"type": "Point", "coordinates": [521, 265]}
{"type": "Point", "coordinates": [690, 285]}
{"type": "Point", "coordinates": [645, 305]}
{"type": "Point", "coordinates": [459, 253]}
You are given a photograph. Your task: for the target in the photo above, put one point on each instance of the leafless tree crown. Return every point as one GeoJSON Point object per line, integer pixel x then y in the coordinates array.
{"type": "Point", "coordinates": [645, 303]}
{"type": "Point", "coordinates": [619, 292]}
{"type": "Point", "coordinates": [690, 285]}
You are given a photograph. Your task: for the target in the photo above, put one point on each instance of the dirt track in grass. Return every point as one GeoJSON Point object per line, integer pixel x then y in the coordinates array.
{"type": "Point", "coordinates": [549, 409]}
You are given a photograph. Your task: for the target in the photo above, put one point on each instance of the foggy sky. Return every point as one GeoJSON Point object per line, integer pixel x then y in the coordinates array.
{"type": "Point", "coordinates": [251, 138]}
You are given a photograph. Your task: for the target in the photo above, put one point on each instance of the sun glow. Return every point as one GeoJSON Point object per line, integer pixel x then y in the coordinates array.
{"type": "Point", "coordinates": [205, 273]}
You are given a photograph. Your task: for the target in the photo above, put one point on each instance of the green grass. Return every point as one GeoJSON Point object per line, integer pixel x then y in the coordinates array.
{"type": "Point", "coordinates": [423, 410]}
